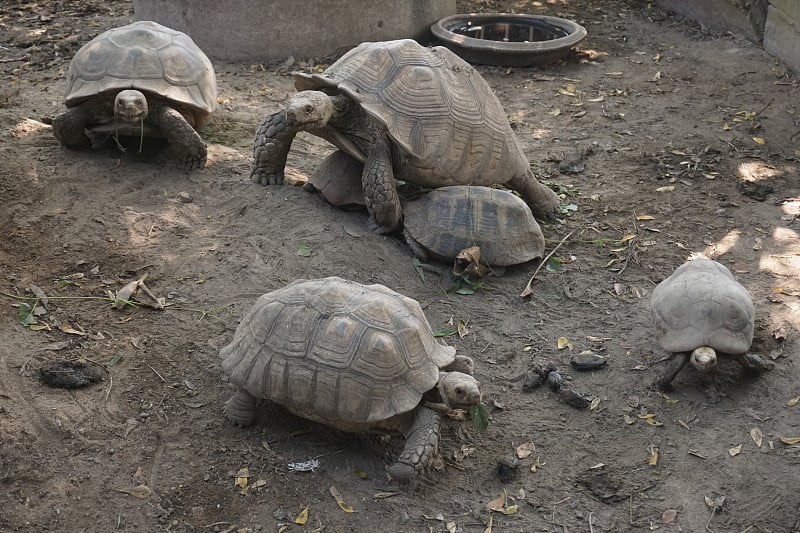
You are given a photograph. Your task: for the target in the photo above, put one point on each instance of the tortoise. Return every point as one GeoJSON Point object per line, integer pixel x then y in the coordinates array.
{"type": "Point", "coordinates": [140, 79]}
{"type": "Point", "coordinates": [338, 181]}
{"type": "Point", "coordinates": [701, 309]}
{"type": "Point", "coordinates": [354, 357]}
{"type": "Point", "coordinates": [422, 115]}
{"type": "Point", "coordinates": [447, 220]}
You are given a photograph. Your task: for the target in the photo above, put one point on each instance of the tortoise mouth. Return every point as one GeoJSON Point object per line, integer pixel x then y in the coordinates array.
{"type": "Point", "coordinates": [704, 358]}
{"type": "Point", "coordinates": [130, 107]}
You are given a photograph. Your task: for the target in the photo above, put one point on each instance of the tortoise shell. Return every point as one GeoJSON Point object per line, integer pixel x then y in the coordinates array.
{"type": "Point", "coordinates": [435, 107]}
{"type": "Point", "coordinates": [145, 56]}
{"type": "Point", "coordinates": [449, 219]}
{"type": "Point", "coordinates": [338, 352]}
{"type": "Point", "coordinates": [701, 304]}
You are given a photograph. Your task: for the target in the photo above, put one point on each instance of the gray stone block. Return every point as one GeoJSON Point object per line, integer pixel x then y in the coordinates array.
{"type": "Point", "coordinates": [259, 30]}
{"type": "Point", "coordinates": [789, 9]}
{"type": "Point", "coordinates": [715, 15]}
{"type": "Point", "coordinates": [782, 38]}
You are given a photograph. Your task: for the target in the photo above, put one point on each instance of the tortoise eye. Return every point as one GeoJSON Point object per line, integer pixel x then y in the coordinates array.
{"type": "Point", "coordinates": [308, 109]}
{"type": "Point", "coordinates": [460, 391]}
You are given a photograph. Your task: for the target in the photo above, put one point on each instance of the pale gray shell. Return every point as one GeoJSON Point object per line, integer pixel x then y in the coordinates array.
{"type": "Point", "coordinates": [436, 108]}
{"type": "Point", "coordinates": [148, 57]}
{"type": "Point", "coordinates": [701, 304]}
{"type": "Point", "coordinates": [338, 352]}
{"type": "Point", "coordinates": [449, 219]}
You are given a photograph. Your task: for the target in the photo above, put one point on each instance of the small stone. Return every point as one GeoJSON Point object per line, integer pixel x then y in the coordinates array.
{"type": "Point", "coordinates": [185, 197]}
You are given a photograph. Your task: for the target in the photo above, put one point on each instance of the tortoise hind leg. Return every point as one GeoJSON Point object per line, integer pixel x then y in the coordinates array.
{"type": "Point", "coordinates": [184, 141]}
{"type": "Point", "coordinates": [674, 365]}
{"type": "Point", "coordinates": [240, 409]}
{"type": "Point", "coordinates": [69, 127]}
{"type": "Point", "coordinates": [422, 444]}
{"type": "Point", "coordinates": [544, 203]}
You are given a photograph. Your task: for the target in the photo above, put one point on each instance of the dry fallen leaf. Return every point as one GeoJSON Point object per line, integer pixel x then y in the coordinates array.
{"type": "Point", "coordinates": [668, 516]}
{"type": "Point", "coordinates": [645, 217]}
{"type": "Point", "coordinates": [140, 491]}
{"type": "Point", "coordinates": [759, 140]}
{"type": "Point", "coordinates": [653, 459]}
{"type": "Point", "coordinates": [241, 479]}
{"type": "Point", "coordinates": [790, 440]}
{"type": "Point", "coordinates": [756, 434]}
{"type": "Point", "coordinates": [302, 518]}
{"type": "Point", "coordinates": [468, 261]}
{"type": "Point", "coordinates": [793, 401]}
{"type": "Point", "coordinates": [498, 503]}
{"type": "Point", "coordinates": [339, 500]}
{"type": "Point", "coordinates": [462, 329]}
{"type": "Point", "coordinates": [525, 449]}
{"type": "Point", "coordinates": [66, 328]}
{"type": "Point", "coordinates": [563, 342]}
{"type": "Point", "coordinates": [736, 450]}
{"type": "Point", "coordinates": [489, 525]}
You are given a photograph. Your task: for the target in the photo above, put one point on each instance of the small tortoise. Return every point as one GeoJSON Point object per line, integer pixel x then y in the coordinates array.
{"type": "Point", "coordinates": [338, 181]}
{"type": "Point", "coordinates": [699, 310]}
{"type": "Point", "coordinates": [418, 114]}
{"type": "Point", "coordinates": [447, 220]}
{"type": "Point", "coordinates": [140, 79]}
{"type": "Point", "coordinates": [354, 357]}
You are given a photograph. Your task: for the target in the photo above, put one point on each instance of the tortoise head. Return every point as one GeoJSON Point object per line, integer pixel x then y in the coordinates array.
{"type": "Point", "coordinates": [130, 107]}
{"type": "Point", "coordinates": [459, 390]}
{"type": "Point", "coordinates": [704, 358]}
{"type": "Point", "coordinates": [310, 110]}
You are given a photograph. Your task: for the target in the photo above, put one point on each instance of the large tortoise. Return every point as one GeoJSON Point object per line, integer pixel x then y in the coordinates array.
{"type": "Point", "coordinates": [351, 356]}
{"type": "Point", "coordinates": [447, 220]}
{"type": "Point", "coordinates": [418, 114]}
{"type": "Point", "coordinates": [140, 79]}
{"type": "Point", "coordinates": [701, 309]}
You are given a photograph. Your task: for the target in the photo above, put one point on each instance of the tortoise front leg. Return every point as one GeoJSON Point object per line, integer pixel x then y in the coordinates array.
{"type": "Point", "coordinates": [184, 141]}
{"type": "Point", "coordinates": [674, 366]}
{"type": "Point", "coordinates": [69, 127]}
{"type": "Point", "coordinates": [752, 363]}
{"type": "Point", "coordinates": [270, 149]}
{"type": "Point", "coordinates": [422, 444]}
{"type": "Point", "coordinates": [240, 409]}
{"type": "Point", "coordinates": [380, 191]}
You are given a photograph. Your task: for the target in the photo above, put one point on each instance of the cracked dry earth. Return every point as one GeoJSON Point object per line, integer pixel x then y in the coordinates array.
{"type": "Point", "coordinates": [661, 118]}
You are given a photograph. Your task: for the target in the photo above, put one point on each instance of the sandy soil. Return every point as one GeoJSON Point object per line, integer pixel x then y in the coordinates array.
{"type": "Point", "coordinates": [690, 145]}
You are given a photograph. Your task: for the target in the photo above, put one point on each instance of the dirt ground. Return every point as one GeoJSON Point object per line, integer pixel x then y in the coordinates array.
{"type": "Point", "coordinates": [690, 143]}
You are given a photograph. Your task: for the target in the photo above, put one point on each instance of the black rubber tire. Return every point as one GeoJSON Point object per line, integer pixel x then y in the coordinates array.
{"type": "Point", "coordinates": [517, 54]}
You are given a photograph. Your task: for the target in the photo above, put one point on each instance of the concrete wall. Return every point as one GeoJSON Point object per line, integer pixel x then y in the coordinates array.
{"type": "Point", "coordinates": [715, 15]}
{"type": "Point", "coordinates": [782, 32]}
{"type": "Point", "coordinates": [775, 23]}
{"type": "Point", "coordinates": [258, 30]}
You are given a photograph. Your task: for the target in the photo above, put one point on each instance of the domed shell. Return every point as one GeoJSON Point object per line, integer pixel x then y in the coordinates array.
{"type": "Point", "coordinates": [449, 219]}
{"type": "Point", "coordinates": [701, 304]}
{"type": "Point", "coordinates": [435, 107]}
{"type": "Point", "coordinates": [338, 352]}
{"type": "Point", "coordinates": [148, 57]}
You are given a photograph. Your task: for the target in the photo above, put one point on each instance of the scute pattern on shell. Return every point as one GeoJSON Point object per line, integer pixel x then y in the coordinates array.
{"type": "Point", "coordinates": [145, 56]}
{"type": "Point", "coordinates": [449, 219]}
{"type": "Point", "coordinates": [436, 107]}
{"type": "Point", "coordinates": [335, 351]}
{"type": "Point", "coordinates": [701, 304]}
